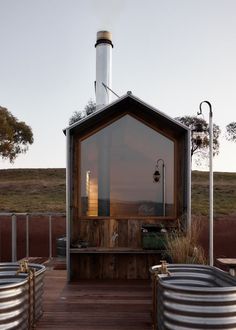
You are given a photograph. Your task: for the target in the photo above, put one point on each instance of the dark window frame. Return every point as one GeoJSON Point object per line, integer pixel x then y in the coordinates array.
{"type": "Point", "coordinates": [175, 170]}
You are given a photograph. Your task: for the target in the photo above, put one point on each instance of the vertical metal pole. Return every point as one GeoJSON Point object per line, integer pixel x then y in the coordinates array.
{"type": "Point", "coordinates": [13, 238]}
{"type": "Point", "coordinates": [68, 201]}
{"type": "Point", "coordinates": [27, 236]}
{"type": "Point", "coordinates": [50, 236]}
{"type": "Point", "coordinates": [164, 188]}
{"type": "Point", "coordinates": [163, 185]}
{"type": "Point", "coordinates": [189, 202]}
{"type": "Point", "coordinates": [211, 232]}
{"type": "Point", "coordinates": [211, 256]}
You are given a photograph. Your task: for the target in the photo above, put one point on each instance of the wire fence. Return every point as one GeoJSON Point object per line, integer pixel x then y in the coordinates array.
{"type": "Point", "coordinates": [30, 234]}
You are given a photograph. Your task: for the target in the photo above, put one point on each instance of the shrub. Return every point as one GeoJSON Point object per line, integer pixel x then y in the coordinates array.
{"type": "Point", "coordinates": [183, 247]}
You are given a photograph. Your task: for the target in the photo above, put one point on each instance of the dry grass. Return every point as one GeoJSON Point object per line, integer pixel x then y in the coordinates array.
{"type": "Point", "coordinates": [183, 248]}
{"type": "Point", "coordinates": [32, 190]}
{"type": "Point", "coordinates": [43, 190]}
{"type": "Point", "coordinates": [224, 193]}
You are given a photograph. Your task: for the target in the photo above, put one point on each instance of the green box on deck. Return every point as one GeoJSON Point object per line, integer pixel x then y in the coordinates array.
{"type": "Point", "coordinates": [153, 237]}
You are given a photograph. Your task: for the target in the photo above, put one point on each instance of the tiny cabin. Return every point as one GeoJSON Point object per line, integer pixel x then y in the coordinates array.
{"type": "Point", "coordinates": [128, 174]}
{"type": "Point", "coordinates": [128, 167]}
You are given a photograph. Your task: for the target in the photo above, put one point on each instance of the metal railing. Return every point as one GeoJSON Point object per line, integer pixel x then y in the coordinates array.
{"type": "Point", "coordinates": [28, 216]}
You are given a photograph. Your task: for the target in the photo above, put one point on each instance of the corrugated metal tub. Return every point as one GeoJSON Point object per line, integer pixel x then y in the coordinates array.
{"type": "Point", "coordinates": [20, 296]}
{"type": "Point", "coordinates": [193, 297]}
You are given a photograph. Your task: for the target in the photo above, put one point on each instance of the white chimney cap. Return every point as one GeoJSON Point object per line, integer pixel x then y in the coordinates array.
{"type": "Point", "coordinates": [104, 37]}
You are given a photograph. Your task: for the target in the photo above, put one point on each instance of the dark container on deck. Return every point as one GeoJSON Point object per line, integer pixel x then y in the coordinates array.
{"type": "Point", "coordinates": [61, 246]}
{"type": "Point", "coordinates": [153, 237]}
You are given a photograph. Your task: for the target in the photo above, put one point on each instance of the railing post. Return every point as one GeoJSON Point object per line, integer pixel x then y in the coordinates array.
{"type": "Point", "coordinates": [27, 235]}
{"type": "Point", "coordinates": [50, 236]}
{"type": "Point", "coordinates": [13, 238]}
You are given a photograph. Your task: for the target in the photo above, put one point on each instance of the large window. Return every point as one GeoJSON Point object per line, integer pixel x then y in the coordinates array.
{"type": "Point", "coordinates": [117, 167]}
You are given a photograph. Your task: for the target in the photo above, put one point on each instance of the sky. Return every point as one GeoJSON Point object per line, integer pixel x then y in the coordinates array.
{"type": "Point", "coordinates": [172, 54]}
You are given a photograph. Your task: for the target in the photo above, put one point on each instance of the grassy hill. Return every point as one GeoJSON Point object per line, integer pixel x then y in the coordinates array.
{"type": "Point", "coordinates": [224, 193]}
{"type": "Point", "coordinates": [32, 190]}
{"type": "Point", "coordinates": [43, 190]}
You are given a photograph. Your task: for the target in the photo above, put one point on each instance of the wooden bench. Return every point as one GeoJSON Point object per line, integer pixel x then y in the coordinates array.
{"type": "Point", "coordinates": [230, 263]}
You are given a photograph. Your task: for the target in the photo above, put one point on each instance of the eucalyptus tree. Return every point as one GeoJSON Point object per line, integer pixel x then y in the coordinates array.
{"type": "Point", "coordinates": [231, 131]}
{"type": "Point", "coordinates": [200, 135]}
{"type": "Point", "coordinates": [15, 135]}
{"type": "Point", "coordinates": [78, 115]}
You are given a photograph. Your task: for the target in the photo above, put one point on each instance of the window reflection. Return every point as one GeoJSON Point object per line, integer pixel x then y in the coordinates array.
{"type": "Point", "coordinates": [117, 165]}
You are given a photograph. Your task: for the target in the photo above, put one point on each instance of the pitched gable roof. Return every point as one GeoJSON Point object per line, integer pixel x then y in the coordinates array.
{"type": "Point", "coordinates": [127, 99]}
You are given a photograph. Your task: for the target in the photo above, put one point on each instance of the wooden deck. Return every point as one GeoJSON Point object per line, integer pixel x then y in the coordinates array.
{"type": "Point", "coordinates": [95, 305]}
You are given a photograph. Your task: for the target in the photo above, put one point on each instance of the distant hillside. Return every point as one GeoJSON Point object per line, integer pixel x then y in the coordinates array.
{"type": "Point", "coordinates": [32, 190]}
{"type": "Point", "coordinates": [43, 190]}
{"type": "Point", "coordinates": [224, 193]}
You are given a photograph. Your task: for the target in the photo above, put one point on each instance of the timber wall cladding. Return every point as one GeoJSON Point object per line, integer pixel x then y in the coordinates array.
{"type": "Point", "coordinates": [112, 266]}
{"type": "Point", "coordinates": [115, 232]}
{"type": "Point", "coordinates": [117, 252]}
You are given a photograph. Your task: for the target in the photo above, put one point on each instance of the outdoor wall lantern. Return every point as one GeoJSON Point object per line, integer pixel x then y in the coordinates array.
{"type": "Point", "coordinates": [156, 179]}
{"type": "Point", "coordinates": [156, 175]}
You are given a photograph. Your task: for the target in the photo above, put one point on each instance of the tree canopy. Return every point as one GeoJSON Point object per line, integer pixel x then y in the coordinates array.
{"type": "Point", "coordinates": [15, 136]}
{"type": "Point", "coordinates": [199, 125]}
{"type": "Point", "coordinates": [231, 131]}
{"type": "Point", "coordinates": [78, 115]}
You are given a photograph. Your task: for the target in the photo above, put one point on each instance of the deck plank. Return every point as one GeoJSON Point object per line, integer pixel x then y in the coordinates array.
{"type": "Point", "coordinates": [95, 304]}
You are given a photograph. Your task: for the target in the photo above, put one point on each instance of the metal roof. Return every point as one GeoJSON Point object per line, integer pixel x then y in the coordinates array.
{"type": "Point", "coordinates": [126, 96]}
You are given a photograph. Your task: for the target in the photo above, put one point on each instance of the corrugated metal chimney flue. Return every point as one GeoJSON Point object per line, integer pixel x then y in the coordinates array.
{"type": "Point", "coordinates": [103, 68]}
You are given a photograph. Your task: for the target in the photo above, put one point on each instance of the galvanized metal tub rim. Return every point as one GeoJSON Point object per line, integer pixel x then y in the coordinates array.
{"type": "Point", "coordinates": [211, 304]}
{"type": "Point", "coordinates": [20, 296]}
